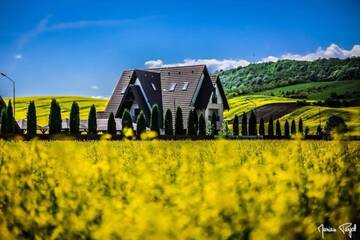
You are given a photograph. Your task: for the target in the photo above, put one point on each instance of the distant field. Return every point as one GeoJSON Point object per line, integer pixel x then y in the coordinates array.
{"type": "Point", "coordinates": [43, 106]}
{"type": "Point", "coordinates": [318, 90]}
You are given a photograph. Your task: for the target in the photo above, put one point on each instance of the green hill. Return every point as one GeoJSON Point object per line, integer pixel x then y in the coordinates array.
{"type": "Point", "coordinates": [256, 78]}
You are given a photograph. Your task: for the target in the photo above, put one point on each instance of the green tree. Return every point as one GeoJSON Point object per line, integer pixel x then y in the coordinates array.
{"type": "Point", "coordinates": [202, 125]}
{"type": "Point", "coordinates": [271, 127]}
{"type": "Point", "coordinates": [154, 123]}
{"type": "Point", "coordinates": [236, 125]}
{"type": "Point", "coordinates": [278, 129]}
{"type": "Point", "coordinates": [55, 121]}
{"type": "Point", "coordinates": [10, 121]}
{"type": "Point", "coordinates": [286, 129]}
{"type": "Point", "coordinates": [301, 131]}
{"type": "Point", "coordinates": [213, 124]}
{"type": "Point", "coordinates": [92, 125]}
{"type": "Point", "coordinates": [126, 120]}
{"type": "Point", "coordinates": [244, 125]}
{"type": "Point", "coordinates": [169, 130]}
{"type": "Point", "coordinates": [336, 123]}
{"type": "Point", "coordinates": [293, 127]}
{"type": "Point", "coordinates": [191, 124]}
{"type": "Point", "coordinates": [261, 127]}
{"type": "Point", "coordinates": [31, 119]}
{"type": "Point", "coordinates": [196, 122]}
{"type": "Point", "coordinates": [140, 124]}
{"type": "Point", "coordinates": [252, 124]}
{"type": "Point", "coordinates": [74, 119]}
{"type": "Point", "coordinates": [179, 125]}
{"type": "Point", "coordinates": [3, 121]}
{"type": "Point", "coordinates": [319, 130]}
{"type": "Point", "coordinates": [111, 124]}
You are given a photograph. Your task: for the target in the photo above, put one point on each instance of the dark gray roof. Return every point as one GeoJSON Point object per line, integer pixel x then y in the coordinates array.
{"type": "Point", "coordinates": [215, 79]}
{"type": "Point", "coordinates": [133, 92]}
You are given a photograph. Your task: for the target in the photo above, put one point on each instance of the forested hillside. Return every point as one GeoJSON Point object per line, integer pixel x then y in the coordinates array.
{"type": "Point", "coordinates": [265, 76]}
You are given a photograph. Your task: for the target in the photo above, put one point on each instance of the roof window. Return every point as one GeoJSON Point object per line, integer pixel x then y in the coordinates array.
{"type": "Point", "coordinates": [185, 86]}
{"type": "Point", "coordinates": [179, 73]}
{"type": "Point", "coordinates": [172, 87]}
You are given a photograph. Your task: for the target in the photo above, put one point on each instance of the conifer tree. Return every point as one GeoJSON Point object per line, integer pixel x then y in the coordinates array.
{"type": "Point", "coordinates": [252, 124]}
{"type": "Point", "coordinates": [92, 124]}
{"type": "Point", "coordinates": [278, 129]}
{"type": "Point", "coordinates": [126, 120]}
{"type": "Point", "coordinates": [3, 129]}
{"type": "Point", "coordinates": [293, 127]}
{"type": "Point", "coordinates": [10, 121]}
{"type": "Point", "coordinates": [140, 124]}
{"type": "Point", "coordinates": [236, 125]}
{"type": "Point", "coordinates": [179, 124]}
{"type": "Point", "coordinates": [213, 124]}
{"type": "Point", "coordinates": [196, 122]}
{"type": "Point", "coordinates": [202, 125]}
{"type": "Point", "coordinates": [271, 127]}
{"type": "Point", "coordinates": [169, 130]}
{"type": "Point", "coordinates": [301, 131]}
{"type": "Point", "coordinates": [261, 127]}
{"type": "Point", "coordinates": [75, 119]}
{"type": "Point", "coordinates": [191, 124]}
{"type": "Point", "coordinates": [55, 121]}
{"type": "Point", "coordinates": [31, 119]}
{"type": "Point", "coordinates": [111, 124]}
{"type": "Point", "coordinates": [244, 125]}
{"type": "Point", "coordinates": [286, 129]}
{"type": "Point", "coordinates": [154, 123]}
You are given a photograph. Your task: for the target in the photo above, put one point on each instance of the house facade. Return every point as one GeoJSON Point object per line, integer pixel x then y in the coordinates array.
{"type": "Point", "coordinates": [190, 87]}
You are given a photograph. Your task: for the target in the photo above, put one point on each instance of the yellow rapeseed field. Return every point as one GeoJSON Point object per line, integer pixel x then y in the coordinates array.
{"type": "Point", "coordinates": [177, 189]}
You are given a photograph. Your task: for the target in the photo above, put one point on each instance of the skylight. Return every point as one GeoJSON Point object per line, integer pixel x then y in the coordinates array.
{"type": "Point", "coordinates": [172, 87]}
{"type": "Point", "coordinates": [123, 90]}
{"type": "Point", "coordinates": [153, 86]}
{"type": "Point", "coordinates": [185, 86]}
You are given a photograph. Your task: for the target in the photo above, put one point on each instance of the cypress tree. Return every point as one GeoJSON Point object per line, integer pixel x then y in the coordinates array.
{"type": "Point", "coordinates": [31, 119]}
{"type": "Point", "coordinates": [236, 125]}
{"type": "Point", "coordinates": [261, 127]}
{"type": "Point", "coordinates": [244, 125]}
{"type": "Point", "coordinates": [278, 129]}
{"type": "Point", "coordinates": [213, 124]}
{"type": "Point", "coordinates": [319, 130]}
{"type": "Point", "coordinates": [3, 129]}
{"type": "Point", "coordinates": [55, 121]}
{"type": "Point", "coordinates": [10, 126]}
{"type": "Point", "coordinates": [92, 125]}
{"type": "Point", "coordinates": [154, 123]}
{"type": "Point", "coordinates": [126, 120]}
{"type": "Point", "coordinates": [286, 129]}
{"type": "Point", "coordinates": [111, 125]}
{"type": "Point", "coordinates": [252, 124]}
{"type": "Point", "coordinates": [196, 122]}
{"type": "Point", "coordinates": [271, 127]}
{"type": "Point", "coordinates": [202, 125]}
{"type": "Point", "coordinates": [293, 127]}
{"type": "Point", "coordinates": [301, 131]}
{"type": "Point", "coordinates": [169, 123]}
{"type": "Point", "coordinates": [191, 124]}
{"type": "Point", "coordinates": [179, 125]}
{"type": "Point", "coordinates": [74, 119]}
{"type": "Point", "coordinates": [140, 124]}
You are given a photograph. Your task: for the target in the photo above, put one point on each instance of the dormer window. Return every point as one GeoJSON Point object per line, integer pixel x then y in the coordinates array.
{"type": "Point", "coordinates": [185, 86]}
{"type": "Point", "coordinates": [153, 86]}
{"type": "Point", "coordinates": [172, 87]}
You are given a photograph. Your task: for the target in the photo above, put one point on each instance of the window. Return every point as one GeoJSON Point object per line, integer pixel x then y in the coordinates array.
{"type": "Point", "coordinates": [214, 96]}
{"type": "Point", "coordinates": [153, 86]}
{"type": "Point", "coordinates": [179, 73]}
{"type": "Point", "coordinates": [172, 87]}
{"type": "Point", "coordinates": [123, 90]}
{"type": "Point", "coordinates": [185, 86]}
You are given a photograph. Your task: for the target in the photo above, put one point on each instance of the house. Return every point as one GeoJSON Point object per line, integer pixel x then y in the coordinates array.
{"type": "Point", "coordinates": [190, 87]}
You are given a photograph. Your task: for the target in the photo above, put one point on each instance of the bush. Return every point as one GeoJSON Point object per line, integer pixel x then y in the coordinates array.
{"type": "Point", "coordinates": [31, 119]}
{"type": "Point", "coordinates": [191, 124]}
{"type": "Point", "coordinates": [74, 119]}
{"type": "Point", "coordinates": [126, 120]}
{"type": "Point", "coordinates": [261, 127]}
{"type": "Point", "coordinates": [154, 123]}
{"type": "Point", "coordinates": [140, 124]}
{"type": "Point", "coordinates": [271, 127]}
{"type": "Point", "coordinates": [179, 125]}
{"type": "Point", "coordinates": [169, 131]}
{"type": "Point", "coordinates": [196, 122]}
{"type": "Point", "coordinates": [111, 125]}
{"type": "Point", "coordinates": [92, 124]}
{"type": "Point", "coordinates": [236, 125]}
{"type": "Point", "coordinates": [55, 121]}
{"type": "Point", "coordinates": [202, 125]}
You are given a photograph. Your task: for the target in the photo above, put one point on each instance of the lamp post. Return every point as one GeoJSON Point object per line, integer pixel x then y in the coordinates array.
{"type": "Point", "coordinates": [13, 83]}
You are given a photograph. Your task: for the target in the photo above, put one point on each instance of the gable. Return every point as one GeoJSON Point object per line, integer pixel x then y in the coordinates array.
{"type": "Point", "coordinates": [216, 82]}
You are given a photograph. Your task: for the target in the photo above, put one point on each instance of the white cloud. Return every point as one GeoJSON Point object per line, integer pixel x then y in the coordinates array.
{"type": "Point", "coordinates": [332, 51]}
{"type": "Point", "coordinates": [212, 64]}
{"type": "Point", "coordinates": [101, 97]}
{"type": "Point", "coordinates": [94, 87]}
{"type": "Point", "coordinates": [18, 56]}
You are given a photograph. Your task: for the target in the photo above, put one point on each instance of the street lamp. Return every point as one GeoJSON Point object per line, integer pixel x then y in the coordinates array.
{"type": "Point", "coordinates": [13, 83]}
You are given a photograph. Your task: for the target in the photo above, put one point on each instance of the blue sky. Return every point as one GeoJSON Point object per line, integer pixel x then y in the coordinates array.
{"type": "Point", "coordinates": [81, 47]}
